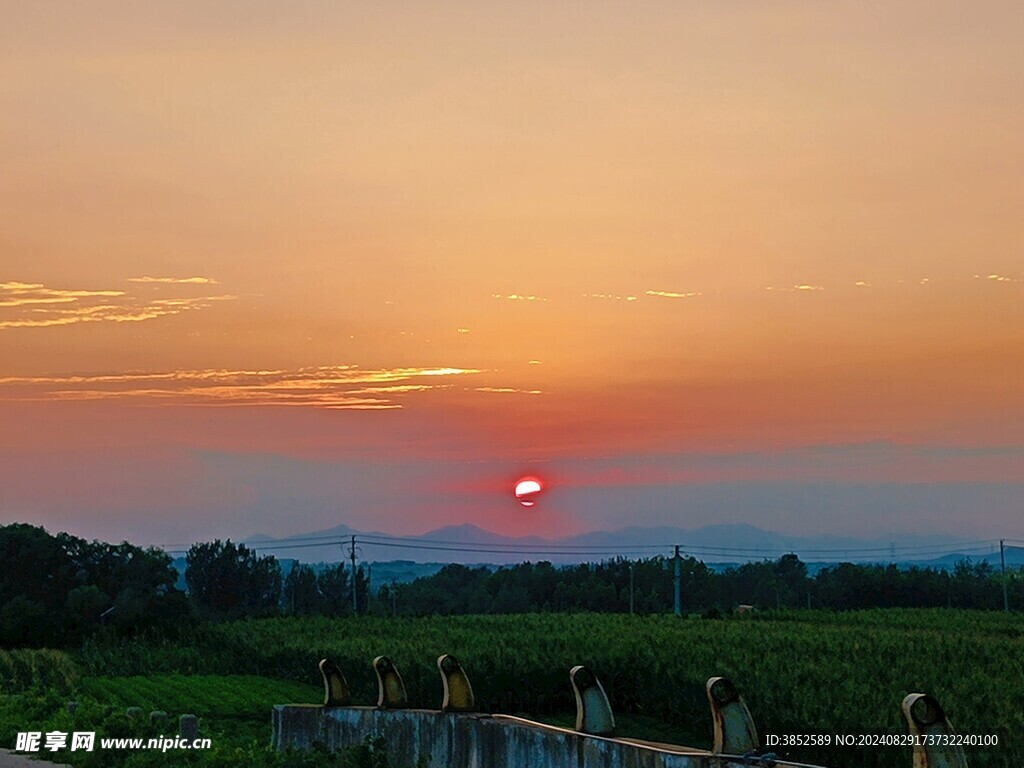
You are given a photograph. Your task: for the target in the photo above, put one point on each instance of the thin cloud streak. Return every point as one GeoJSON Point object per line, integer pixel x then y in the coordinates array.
{"type": "Point", "coordinates": [334, 387]}
{"type": "Point", "coordinates": [36, 305]}
{"type": "Point", "coordinates": [17, 294]}
{"type": "Point", "coordinates": [613, 297]}
{"type": "Point", "coordinates": [174, 280]}
{"type": "Point", "coordinates": [673, 294]}
{"type": "Point", "coordinates": [802, 287]}
{"type": "Point", "coordinates": [518, 297]}
{"type": "Point", "coordinates": [509, 390]}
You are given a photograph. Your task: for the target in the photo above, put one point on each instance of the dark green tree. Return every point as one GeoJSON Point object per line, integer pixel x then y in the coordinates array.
{"type": "Point", "coordinates": [57, 589]}
{"type": "Point", "coordinates": [333, 585]}
{"type": "Point", "coordinates": [301, 595]}
{"type": "Point", "coordinates": [228, 580]}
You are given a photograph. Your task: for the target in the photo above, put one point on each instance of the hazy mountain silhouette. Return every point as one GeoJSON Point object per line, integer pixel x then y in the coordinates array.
{"type": "Point", "coordinates": [470, 544]}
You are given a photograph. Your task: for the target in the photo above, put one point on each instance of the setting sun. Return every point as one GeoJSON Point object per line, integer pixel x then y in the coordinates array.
{"type": "Point", "coordinates": [527, 489]}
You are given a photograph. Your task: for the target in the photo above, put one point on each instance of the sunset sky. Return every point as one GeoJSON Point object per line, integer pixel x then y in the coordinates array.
{"type": "Point", "coordinates": [272, 267]}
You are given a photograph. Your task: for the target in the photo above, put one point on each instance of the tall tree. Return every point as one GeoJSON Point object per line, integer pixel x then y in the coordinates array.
{"type": "Point", "coordinates": [229, 579]}
{"type": "Point", "coordinates": [333, 585]}
{"type": "Point", "coordinates": [301, 595]}
{"type": "Point", "coordinates": [58, 588]}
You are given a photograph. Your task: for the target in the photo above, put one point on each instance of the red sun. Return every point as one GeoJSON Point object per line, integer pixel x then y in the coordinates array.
{"type": "Point", "coordinates": [527, 490]}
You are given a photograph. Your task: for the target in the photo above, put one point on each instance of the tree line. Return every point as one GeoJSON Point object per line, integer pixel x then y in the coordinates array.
{"type": "Point", "coordinates": [227, 580]}
{"type": "Point", "coordinates": [648, 586]}
{"type": "Point", "coordinates": [59, 589]}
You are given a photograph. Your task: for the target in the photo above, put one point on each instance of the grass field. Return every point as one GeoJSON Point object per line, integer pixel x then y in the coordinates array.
{"type": "Point", "coordinates": [208, 696]}
{"type": "Point", "coordinates": [233, 710]}
{"type": "Point", "coordinates": [801, 672]}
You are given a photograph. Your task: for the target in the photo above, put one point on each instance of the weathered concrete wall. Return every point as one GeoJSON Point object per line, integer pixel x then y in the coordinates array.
{"type": "Point", "coordinates": [471, 740]}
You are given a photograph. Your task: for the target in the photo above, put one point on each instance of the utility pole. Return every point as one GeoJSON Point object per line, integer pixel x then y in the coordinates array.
{"type": "Point", "coordinates": [679, 583]}
{"type": "Point", "coordinates": [631, 589]}
{"type": "Point", "coordinates": [1002, 562]}
{"type": "Point", "coordinates": [352, 553]}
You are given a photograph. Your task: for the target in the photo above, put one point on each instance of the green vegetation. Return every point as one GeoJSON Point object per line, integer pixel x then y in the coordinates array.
{"type": "Point", "coordinates": [26, 670]}
{"type": "Point", "coordinates": [233, 710]}
{"type": "Point", "coordinates": [57, 590]}
{"type": "Point", "coordinates": [802, 672]}
{"type": "Point", "coordinates": [130, 639]}
{"type": "Point", "coordinates": [92, 588]}
{"type": "Point", "coordinates": [215, 696]}
{"type": "Point", "coordinates": [228, 581]}
{"type": "Point", "coordinates": [783, 583]}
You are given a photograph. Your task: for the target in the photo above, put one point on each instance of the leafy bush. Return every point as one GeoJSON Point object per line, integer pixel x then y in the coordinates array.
{"type": "Point", "coordinates": [44, 669]}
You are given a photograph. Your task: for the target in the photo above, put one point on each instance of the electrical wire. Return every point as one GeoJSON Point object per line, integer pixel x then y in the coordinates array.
{"type": "Point", "coordinates": [979, 547]}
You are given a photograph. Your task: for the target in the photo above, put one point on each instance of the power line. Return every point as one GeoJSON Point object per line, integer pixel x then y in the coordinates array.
{"type": "Point", "coordinates": [886, 549]}
{"type": "Point", "coordinates": [502, 548]}
{"type": "Point", "coordinates": [373, 538]}
{"type": "Point", "coordinates": [484, 550]}
{"type": "Point", "coordinates": [377, 538]}
{"type": "Point", "coordinates": [315, 541]}
{"type": "Point", "coordinates": [517, 547]}
{"type": "Point", "coordinates": [908, 550]}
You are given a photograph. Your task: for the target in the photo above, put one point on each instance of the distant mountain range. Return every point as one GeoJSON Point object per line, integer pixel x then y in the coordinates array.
{"type": "Point", "coordinates": [713, 543]}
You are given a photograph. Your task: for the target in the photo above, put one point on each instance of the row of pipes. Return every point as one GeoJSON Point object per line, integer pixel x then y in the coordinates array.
{"type": "Point", "coordinates": [735, 735]}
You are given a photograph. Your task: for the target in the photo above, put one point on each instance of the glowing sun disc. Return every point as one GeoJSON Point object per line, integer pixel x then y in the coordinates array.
{"type": "Point", "coordinates": [527, 487]}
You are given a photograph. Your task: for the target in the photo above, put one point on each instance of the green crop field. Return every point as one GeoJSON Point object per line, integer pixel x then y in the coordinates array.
{"type": "Point", "coordinates": [239, 696]}
{"type": "Point", "coordinates": [26, 669]}
{"type": "Point", "coordinates": [801, 672]}
{"type": "Point", "coordinates": [233, 711]}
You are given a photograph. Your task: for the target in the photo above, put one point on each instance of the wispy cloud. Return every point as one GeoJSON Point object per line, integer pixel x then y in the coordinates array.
{"type": "Point", "coordinates": [508, 390]}
{"type": "Point", "coordinates": [35, 305]}
{"type": "Point", "coordinates": [673, 294]}
{"type": "Point", "coordinates": [336, 387]}
{"type": "Point", "coordinates": [16, 294]}
{"type": "Point", "coordinates": [785, 288]}
{"type": "Point", "coordinates": [174, 280]}
{"type": "Point", "coordinates": [612, 296]}
{"type": "Point", "coordinates": [518, 297]}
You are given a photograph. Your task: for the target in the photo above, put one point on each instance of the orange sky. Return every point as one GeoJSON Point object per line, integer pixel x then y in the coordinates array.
{"type": "Point", "coordinates": [390, 255]}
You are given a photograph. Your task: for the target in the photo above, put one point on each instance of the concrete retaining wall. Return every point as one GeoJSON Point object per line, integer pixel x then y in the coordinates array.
{"type": "Point", "coordinates": [471, 740]}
